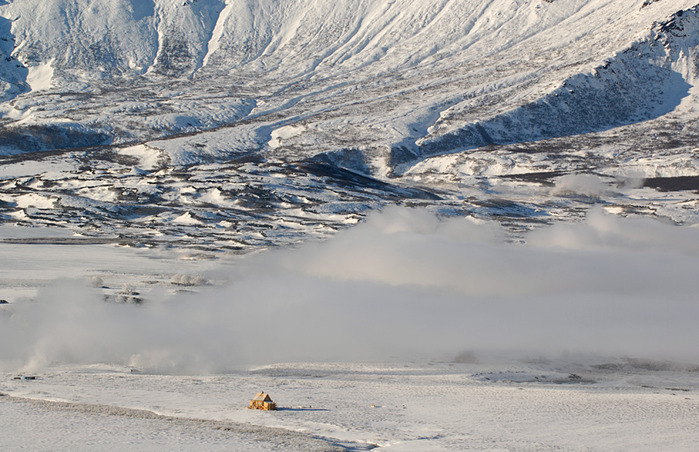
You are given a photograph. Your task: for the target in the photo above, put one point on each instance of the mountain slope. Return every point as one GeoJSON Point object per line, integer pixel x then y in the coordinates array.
{"type": "Point", "coordinates": [13, 75]}
{"type": "Point", "coordinates": [236, 124]}
{"type": "Point", "coordinates": [440, 74]}
{"type": "Point", "coordinates": [647, 80]}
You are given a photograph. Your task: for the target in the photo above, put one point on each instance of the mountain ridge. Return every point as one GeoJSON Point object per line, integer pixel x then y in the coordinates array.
{"type": "Point", "coordinates": [645, 81]}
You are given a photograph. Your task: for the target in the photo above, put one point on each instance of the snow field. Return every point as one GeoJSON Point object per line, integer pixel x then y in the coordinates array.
{"type": "Point", "coordinates": [438, 406]}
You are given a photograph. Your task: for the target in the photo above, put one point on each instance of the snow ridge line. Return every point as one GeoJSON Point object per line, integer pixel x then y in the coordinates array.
{"type": "Point", "coordinates": [658, 68]}
{"type": "Point", "coordinates": [217, 32]}
{"type": "Point", "coordinates": [260, 433]}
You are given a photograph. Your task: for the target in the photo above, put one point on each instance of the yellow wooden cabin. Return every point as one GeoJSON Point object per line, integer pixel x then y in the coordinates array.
{"type": "Point", "coordinates": [262, 401]}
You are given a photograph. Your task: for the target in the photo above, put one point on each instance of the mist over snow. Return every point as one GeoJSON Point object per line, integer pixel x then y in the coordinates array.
{"type": "Point", "coordinates": [581, 184]}
{"type": "Point", "coordinates": [403, 285]}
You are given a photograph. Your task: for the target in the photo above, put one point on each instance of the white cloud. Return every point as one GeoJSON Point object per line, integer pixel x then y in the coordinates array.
{"type": "Point", "coordinates": [580, 184]}
{"type": "Point", "coordinates": [402, 285]}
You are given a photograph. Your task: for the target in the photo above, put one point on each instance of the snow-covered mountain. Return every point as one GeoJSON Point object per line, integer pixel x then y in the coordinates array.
{"type": "Point", "coordinates": [428, 102]}
{"type": "Point", "coordinates": [444, 76]}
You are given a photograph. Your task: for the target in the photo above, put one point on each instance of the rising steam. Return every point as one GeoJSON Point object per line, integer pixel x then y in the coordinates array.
{"type": "Point", "coordinates": [402, 285]}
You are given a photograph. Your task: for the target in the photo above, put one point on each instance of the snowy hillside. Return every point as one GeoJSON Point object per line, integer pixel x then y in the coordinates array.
{"type": "Point", "coordinates": [645, 81]}
{"type": "Point", "coordinates": [430, 78]}
{"type": "Point", "coordinates": [482, 108]}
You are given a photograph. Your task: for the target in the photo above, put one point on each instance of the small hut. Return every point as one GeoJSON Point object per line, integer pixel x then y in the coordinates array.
{"type": "Point", "coordinates": [262, 401]}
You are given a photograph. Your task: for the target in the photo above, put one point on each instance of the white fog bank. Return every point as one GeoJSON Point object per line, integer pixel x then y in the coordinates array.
{"type": "Point", "coordinates": [403, 285]}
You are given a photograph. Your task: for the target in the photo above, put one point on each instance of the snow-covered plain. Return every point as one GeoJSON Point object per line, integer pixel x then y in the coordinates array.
{"type": "Point", "coordinates": [406, 333]}
{"type": "Point", "coordinates": [416, 406]}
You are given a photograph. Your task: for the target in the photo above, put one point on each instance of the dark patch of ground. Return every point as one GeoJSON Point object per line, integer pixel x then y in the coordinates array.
{"type": "Point", "coordinates": [350, 179]}
{"type": "Point", "coordinates": [543, 178]}
{"type": "Point", "coordinates": [679, 183]}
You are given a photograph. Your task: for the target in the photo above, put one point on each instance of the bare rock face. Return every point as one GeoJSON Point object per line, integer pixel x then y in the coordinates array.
{"type": "Point", "coordinates": [648, 3]}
